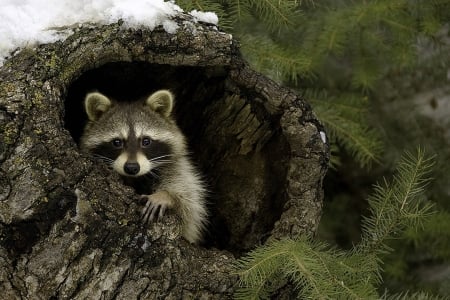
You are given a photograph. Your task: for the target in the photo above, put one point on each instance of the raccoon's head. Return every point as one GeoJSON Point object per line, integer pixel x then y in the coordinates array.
{"type": "Point", "coordinates": [134, 138]}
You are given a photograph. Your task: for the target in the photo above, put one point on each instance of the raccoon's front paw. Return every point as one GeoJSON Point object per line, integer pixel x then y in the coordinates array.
{"type": "Point", "coordinates": [157, 203]}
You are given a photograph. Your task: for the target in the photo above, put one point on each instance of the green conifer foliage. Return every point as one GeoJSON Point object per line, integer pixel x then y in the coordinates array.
{"type": "Point", "coordinates": [360, 64]}
{"type": "Point", "coordinates": [320, 271]}
{"type": "Point", "coordinates": [337, 50]}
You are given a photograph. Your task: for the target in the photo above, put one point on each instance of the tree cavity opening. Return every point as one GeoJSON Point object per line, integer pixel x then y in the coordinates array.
{"type": "Point", "coordinates": [239, 148]}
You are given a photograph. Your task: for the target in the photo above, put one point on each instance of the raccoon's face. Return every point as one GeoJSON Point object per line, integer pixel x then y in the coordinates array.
{"type": "Point", "coordinates": [134, 155]}
{"type": "Point", "coordinates": [134, 138]}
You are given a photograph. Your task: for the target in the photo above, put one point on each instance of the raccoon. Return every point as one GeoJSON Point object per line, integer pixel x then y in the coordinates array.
{"type": "Point", "coordinates": [141, 141]}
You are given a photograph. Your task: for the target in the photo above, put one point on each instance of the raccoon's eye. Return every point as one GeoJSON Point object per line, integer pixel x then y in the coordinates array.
{"type": "Point", "coordinates": [117, 143]}
{"type": "Point", "coordinates": [146, 141]}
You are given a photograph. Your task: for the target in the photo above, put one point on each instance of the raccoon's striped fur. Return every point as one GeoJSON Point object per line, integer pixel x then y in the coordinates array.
{"type": "Point", "coordinates": [141, 141]}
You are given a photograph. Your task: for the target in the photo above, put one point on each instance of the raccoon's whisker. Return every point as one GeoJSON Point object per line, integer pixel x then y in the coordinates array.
{"type": "Point", "coordinates": [107, 161]}
{"type": "Point", "coordinates": [152, 174]}
{"type": "Point", "coordinates": [160, 164]}
{"type": "Point", "coordinates": [103, 158]}
{"type": "Point", "coordinates": [157, 158]}
{"type": "Point", "coordinates": [162, 161]}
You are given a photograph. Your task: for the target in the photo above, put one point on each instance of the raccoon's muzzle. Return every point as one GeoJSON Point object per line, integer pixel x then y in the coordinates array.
{"type": "Point", "coordinates": [131, 168]}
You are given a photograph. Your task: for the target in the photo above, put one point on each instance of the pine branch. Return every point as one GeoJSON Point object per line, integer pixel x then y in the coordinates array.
{"type": "Point", "coordinates": [319, 272]}
{"type": "Point", "coordinates": [256, 269]}
{"type": "Point", "coordinates": [278, 62]}
{"type": "Point", "coordinates": [239, 12]}
{"type": "Point", "coordinates": [274, 13]}
{"type": "Point", "coordinates": [397, 205]}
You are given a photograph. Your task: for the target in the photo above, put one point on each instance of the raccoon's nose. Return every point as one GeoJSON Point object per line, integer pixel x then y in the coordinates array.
{"type": "Point", "coordinates": [131, 168]}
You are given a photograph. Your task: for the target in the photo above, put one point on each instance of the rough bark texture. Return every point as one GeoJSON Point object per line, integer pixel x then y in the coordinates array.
{"type": "Point", "coordinates": [69, 229]}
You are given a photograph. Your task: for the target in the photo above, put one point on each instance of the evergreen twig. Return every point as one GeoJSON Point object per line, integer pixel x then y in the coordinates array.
{"type": "Point", "coordinates": [397, 205]}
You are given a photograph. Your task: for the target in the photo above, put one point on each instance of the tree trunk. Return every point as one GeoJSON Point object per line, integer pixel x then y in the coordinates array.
{"type": "Point", "coordinates": [71, 230]}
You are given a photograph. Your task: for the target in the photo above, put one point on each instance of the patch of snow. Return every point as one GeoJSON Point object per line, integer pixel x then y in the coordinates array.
{"type": "Point", "coordinates": [170, 26]}
{"type": "Point", "coordinates": [30, 22]}
{"type": "Point", "coordinates": [323, 136]}
{"type": "Point", "coordinates": [206, 17]}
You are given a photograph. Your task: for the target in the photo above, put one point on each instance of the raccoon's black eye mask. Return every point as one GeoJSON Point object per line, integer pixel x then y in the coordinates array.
{"type": "Point", "coordinates": [119, 143]}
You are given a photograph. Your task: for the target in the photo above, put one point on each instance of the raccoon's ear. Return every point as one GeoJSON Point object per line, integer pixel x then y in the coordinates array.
{"type": "Point", "coordinates": [96, 104]}
{"type": "Point", "coordinates": [161, 102]}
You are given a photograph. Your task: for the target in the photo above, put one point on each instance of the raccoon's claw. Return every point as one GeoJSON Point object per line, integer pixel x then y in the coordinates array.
{"type": "Point", "coordinates": [156, 206]}
{"type": "Point", "coordinates": [153, 211]}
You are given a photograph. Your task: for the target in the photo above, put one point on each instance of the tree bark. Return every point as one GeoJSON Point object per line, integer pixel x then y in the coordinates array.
{"type": "Point", "coordinates": [71, 230]}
